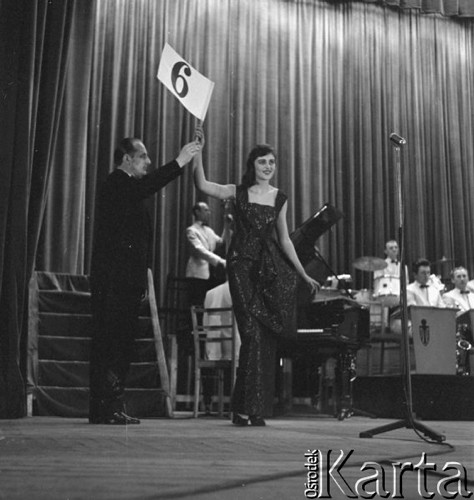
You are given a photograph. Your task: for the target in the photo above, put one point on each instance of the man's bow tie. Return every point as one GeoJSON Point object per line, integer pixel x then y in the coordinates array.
{"type": "Point", "coordinates": [394, 261]}
{"type": "Point", "coordinates": [424, 286]}
{"type": "Point", "coordinates": [465, 291]}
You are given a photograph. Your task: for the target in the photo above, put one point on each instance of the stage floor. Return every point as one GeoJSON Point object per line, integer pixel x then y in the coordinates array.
{"type": "Point", "coordinates": [48, 458]}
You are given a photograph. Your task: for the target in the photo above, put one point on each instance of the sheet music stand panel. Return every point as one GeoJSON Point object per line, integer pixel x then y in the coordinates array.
{"type": "Point", "coordinates": [434, 340]}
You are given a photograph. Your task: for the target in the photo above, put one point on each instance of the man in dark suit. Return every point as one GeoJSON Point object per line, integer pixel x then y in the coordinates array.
{"type": "Point", "coordinates": [119, 271]}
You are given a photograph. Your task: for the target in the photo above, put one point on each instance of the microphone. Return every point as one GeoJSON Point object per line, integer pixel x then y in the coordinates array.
{"type": "Point", "coordinates": [396, 139]}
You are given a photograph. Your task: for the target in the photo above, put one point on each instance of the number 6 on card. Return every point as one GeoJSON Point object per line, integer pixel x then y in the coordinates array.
{"type": "Point", "coordinates": [189, 86]}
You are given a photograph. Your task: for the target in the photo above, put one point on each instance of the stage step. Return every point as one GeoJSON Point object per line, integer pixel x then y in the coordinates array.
{"type": "Point", "coordinates": [78, 348]}
{"type": "Point", "coordinates": [62, 330]}
{"type": "Point", "coordinates": [76, 374]}
{"type": "Point", "coordinates": [79, 325]}
{"type": "Point", "coordinates": [66, 302]}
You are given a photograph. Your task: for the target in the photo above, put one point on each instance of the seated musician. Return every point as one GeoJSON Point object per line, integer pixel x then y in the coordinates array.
{"type": "Point", "coordinates": [423, 292]}
{"type": "Point", "coordinates": [470, 285]}
{"type": "Point", "coordinates": [460, 297]}
{"type": "Point", "coordinates": [387, 287]}
{"type": "Point", "coordinates": [392, 260]}
{"type": "Point", "coordinates": [392, 271]}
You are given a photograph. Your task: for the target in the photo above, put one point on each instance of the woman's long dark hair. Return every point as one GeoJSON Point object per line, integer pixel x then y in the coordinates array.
{"type": "Point", "coordinates": [248, 179]}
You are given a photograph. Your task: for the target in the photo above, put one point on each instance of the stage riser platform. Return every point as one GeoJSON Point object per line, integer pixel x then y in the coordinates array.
{"type": "Point", "coordinates": [60, 333]}
{"type": "Point", "coordinates": [435, 397]}
{"type": "Point", "coordinates": [76, 374]}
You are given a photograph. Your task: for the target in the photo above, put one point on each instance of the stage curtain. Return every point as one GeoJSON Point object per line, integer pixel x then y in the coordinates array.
{"type": "Point", "coordinates": [33, 60]}
{"type": "Point", "coordinates": [324, 82]}
{"type": "Point", "coordinates": [461, 8]}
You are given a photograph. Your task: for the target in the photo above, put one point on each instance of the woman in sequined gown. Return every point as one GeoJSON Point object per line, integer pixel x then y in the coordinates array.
{"type": "Point", "coordinates": [262, 267]}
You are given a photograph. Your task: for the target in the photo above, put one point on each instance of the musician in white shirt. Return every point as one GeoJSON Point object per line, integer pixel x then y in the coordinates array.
{"type": "Point", "coordinates": [387, 280]}
{"type": "Point", "coordinates": [202, 243]}
{"type": "Point", "coordinates": [460, 297]}
{"type": "Point", "coordinates": [393, 263]}
{"type": "Point", "coordinates": [423, 292]}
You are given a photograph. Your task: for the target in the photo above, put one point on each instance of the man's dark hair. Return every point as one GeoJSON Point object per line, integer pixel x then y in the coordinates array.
{"type": "Point", "coordinates": [419, 263]}
{"type": "Point", "coordinates": [126, 146]}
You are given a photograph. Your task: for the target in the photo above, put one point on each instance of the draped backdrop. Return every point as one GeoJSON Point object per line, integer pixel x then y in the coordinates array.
{"type": "Point", "coordinates": [325, 82]}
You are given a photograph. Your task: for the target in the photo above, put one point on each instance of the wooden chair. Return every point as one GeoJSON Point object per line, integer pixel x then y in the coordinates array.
{"type": "Point", "coordinates": [388, 341]}
{"type": "Point", "coordinates": [213, 328]}
{"type": "Point", "coordinates": [177, 323]}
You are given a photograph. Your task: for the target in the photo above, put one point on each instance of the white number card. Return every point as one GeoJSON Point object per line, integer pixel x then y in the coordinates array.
{"type": "Point", "coordinates": [192, 88]}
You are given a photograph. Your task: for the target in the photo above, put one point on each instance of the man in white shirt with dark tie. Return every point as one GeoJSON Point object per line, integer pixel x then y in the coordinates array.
{"type": "Point", "coordinates": [460, 297]}
{"type": "Point", "coordinates": [202, 243]}
{"type": "Point", "coordinates": [387, 280]}
{"type": "Point", "coordinates": [393, 264]}
{"type": "Point", "coordinates": [423, 292]}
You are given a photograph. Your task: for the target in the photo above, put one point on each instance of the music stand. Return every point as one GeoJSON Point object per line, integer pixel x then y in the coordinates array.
{"type": "Point", "coordinates": [409, 421]}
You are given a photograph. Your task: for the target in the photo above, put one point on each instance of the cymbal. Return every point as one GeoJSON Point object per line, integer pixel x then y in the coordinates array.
{"type": "Point", "coordinates": [443, 260]}
{"type": "Point", "coordinates": [370, 263]}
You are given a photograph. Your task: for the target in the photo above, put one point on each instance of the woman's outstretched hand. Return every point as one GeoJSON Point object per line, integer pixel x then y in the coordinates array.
{"type": "Point", "coordinates": [312, 284]}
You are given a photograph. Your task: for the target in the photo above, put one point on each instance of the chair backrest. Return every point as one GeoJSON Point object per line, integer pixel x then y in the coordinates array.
{"type": "Point", "coordinates": [214, 332]}
{"type": "Point", "coordinates": [176, 307]}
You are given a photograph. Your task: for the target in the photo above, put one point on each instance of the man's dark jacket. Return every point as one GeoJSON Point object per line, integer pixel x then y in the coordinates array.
{"type": "Point", "coordinates": [123, 229]}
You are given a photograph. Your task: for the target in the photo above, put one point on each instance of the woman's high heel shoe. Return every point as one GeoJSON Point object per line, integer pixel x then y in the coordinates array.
{"type": "Point", "coordinates": [240, 421]}
{"type": "Point", "coordinates": [257, 421]}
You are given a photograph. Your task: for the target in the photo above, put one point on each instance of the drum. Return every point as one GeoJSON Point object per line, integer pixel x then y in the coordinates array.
{"type": "Point", "coordinates": [364, 296]}
{"type": "Point", "coordinates": [387, 290]}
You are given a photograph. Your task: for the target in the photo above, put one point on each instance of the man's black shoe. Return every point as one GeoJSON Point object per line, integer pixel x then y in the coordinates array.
{"type": "Point", "coordinates": [255, 420]}
{"type": "Point", "coordinates": [239, 420]}
{"type": "Point", "coordinates": [130, 420]}
{"type": "Point", "coordinates": [116, 418]}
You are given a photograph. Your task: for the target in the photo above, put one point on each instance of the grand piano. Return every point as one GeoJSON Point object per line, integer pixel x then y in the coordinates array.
{"type": "Point", "coordinates": [330, 325]}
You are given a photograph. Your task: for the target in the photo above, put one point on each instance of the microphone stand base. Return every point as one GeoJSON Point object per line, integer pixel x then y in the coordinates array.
{"type": "Point", "coordinates": [402, 424]}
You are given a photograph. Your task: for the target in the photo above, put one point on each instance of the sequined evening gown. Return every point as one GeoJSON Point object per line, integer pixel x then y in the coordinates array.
{"type": "Point", "coordinates": [262, 283]}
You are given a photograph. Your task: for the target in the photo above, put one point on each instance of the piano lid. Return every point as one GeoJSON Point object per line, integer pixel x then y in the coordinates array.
{"type": "Point", "coordinates": [304, 237]}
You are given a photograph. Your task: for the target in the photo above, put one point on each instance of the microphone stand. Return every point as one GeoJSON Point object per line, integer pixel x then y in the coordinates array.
{"type": "Point", "coordinates": [409, 421]}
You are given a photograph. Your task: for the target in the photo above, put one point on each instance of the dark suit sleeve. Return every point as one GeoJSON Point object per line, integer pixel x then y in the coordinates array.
{"type": "Point", "coordinates": [153, 182]}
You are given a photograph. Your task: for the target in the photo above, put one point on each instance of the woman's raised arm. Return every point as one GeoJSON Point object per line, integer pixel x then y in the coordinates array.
{"type": "Point", "coordinates": [221, 191]}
